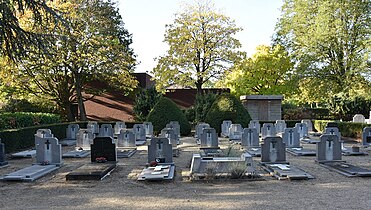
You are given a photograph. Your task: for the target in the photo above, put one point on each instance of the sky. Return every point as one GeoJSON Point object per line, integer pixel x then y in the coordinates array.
{"type": "Point", "coordinates": [146, 20]}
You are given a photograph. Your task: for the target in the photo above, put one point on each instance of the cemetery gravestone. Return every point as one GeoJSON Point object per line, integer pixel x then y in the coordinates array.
{"type": "Point", "coordinates": [359, 118]}
{"type": "Point", "coordinates": [273, 150]}
{"type": "Point", "coordinates": [280, 126]}
{"type": "Point", "coordinates": [309, 124]}
{"type": "Point", "coordinates": [160, 150]}
{"type": "Point", "coordinates": [235, 132]}
{"type": "Point", "coordinates": [250, 138]}
{"type": "Point", "coordinates": [103, 147]}
{"type": "Point", "coordinates": [3, 161]}
{"type": "Point", "coordinates": [118, 127]}
{"type": "Point", "coordinates": [149, 129]}
{"type": "Point", "coordinates": [106, 130]}
{"type": "Point", "coordinates": [176, 126]}
{"type": "Point", "coordinates": [199, 129]}
{"type": "Point", "coordinates": [84, 140]}
{"type": "Point", "coordinates": [71, 132]}
{"type": "Point", "coordinates": [328, 149]}
{"type": "Point", "coordinates": [225, 128]}
{"type": "Point", "coordinates": [366, 136]}
{"type": "Point", "coordinates": [169, 133]}
{"type": "Point", "coordinates": [126, 146]}
{"type": "Point", "coordinates": [291, 138]}
{"type": "Point", "coordinates": [255, 124]}
{"type": "Point", "coordinates": [40, 133]}
{"type": "Point", "coordinates": [302, 130]}
{"type": "Point", "coordinates": [209, 139]}
{"type": "Point", "coordinates": [140, 134]}
{"type": "Point", "coordinates": [43, 133]}
{"type": "Point", "coordinates": [93, 126]}
{"type": "Point", "coordinates": [268, 130]}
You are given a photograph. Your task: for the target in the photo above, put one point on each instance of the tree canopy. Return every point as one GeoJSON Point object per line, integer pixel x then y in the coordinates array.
{"type": "Point", "coordinates": [201, 47]}
{"type": "Point", "coordinates": [329, 42]}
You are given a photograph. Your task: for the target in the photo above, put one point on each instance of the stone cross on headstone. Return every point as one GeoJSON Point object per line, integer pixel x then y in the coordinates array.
{"type": "Point", "coordinates": [106, 130]}
{"type": "Point", "coordinates": [72, 131]}
{"type": "Point", "coordinates": [333, 131]}
{"type": "Point", "coordinates": [302, 130]}
{"type": "Point", "coordinates": [291, 138]}
{"type": "Point", "coordinates": [225, 128]}
{"type": "Point", "coordinates": [2, 154]}
{"type": "Point", "coordinates": [103, 147]}
{"type": "Point", "coordinates": [280, 126]}
{"type": "Point", "coordinates": [366, 136]}
{"type": "Point", "coordinates": [268, 129]}
{"type": "Point", "coordinates": [250, 138]}
{"type": "Point", "coordinates": [84, 139]}
{"type": "Point", "coordinates": [160, 150]}
{"type": "Point", "coordinates": [209, 138]}
{"type": "Point", "coordinates": [126, 138]}
{"type": "Point", "coordinates": [328, 149]}
{"type": "Point", "coordinates": [255, 124]}
{"type": "Point", "coordinates": [273, 150]}
{"type": "Point", "coordinates": [139, 132]}
{"type": "Point", "coordinates": [148, 127]}
{"type": "Point", "coordinates": [118, 127]}
{"type": "Point", "coordinates": [309, 124]}
{"type": "Point", "coordinates": [48, 151]}
{"type": "Point", "coordinates": [93, 126]}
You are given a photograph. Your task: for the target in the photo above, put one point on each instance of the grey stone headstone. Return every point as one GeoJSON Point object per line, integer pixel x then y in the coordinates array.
{"type": "Point", "coordinates": [84, 139]}
{"type": "Point", "coordinates": [2, 154]}
{"type": "Point", "coordinates": [160, 150]}
{"type": "Point", "coordinates": [329, 148]}
{"type": "Point", "coordinates": [225, 128]}
{"type": "Point", "coordinates": [366, 136]}
{"type": "Point", "coordinates": [235, 132]}
{"type": "Point", "coordinates": [139, 132]}
{"type": "Point", "coordinates": [126, 138]}
{"type": "Point", "coordinates": [48, 151]}
{"type": "Point", "coordinates": [359, 118]}
{"type": "Point", "coordinates": [209, 138]}
{"type": "Point", "coordinates": [118, 127]}
{"type": "Point", "coordinates": [169, 133]}
{"type": "Point", "coordinates": [291, 138]}
{"type": "Point", "coordinates": [268, 130]}
{"type": "Point", "coordinates": [103, 146]}
{"type": "Point", "coordinates": [43, 133]}
{"type": "Point", "coordinates": [280, 126]}
{"type": "Point", "coordinates": [93, 126]}
{"type": "Point", "coordinates": [72, 131]}
{"type": "Point", "coordinates": [273, 150]}
{"type": "Point", "coordinates": [309, 124]}
{"type": "Point", "coordinates": [175, 125]}
{"type": "Point", "coordinates": [106, 130]}
{"type": "Point", "coordinates": [255, 124]}
{"type": "Point", "coordinates": [148, 127]}
{"type": "Point", "coordinates": [333, 131]}
{"type": "Point", "coordinates": [250, 138]}
{"type": "Point", "coordinates": [302, 130]}
{"type": "Point", "coordinates": [199, 129]}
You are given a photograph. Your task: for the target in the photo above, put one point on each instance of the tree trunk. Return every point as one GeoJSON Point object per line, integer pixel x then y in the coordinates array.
{"type": "Point", "coordinates": [80, 100]}
{"type": "Point", "coordinates": [199, 84]}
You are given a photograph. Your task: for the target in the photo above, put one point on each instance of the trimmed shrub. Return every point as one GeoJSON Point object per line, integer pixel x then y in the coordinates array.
{"type": "Point", "coordinates": [26, 119]}
{"type": "Point", "coordinates": [144, 102]}
{"type": "Point", "coordinates": [203, 104]}
{"type": "Point", "coordinates": [347, 129]}
{"type": "Point", "coordinates": [227, 107]}
{"type": "Point", "coordinates": [165, 111]}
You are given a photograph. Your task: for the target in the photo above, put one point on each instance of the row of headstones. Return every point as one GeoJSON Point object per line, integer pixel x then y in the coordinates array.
{"type": "Point", "coordinates": [235, 131]}
{"type": "Point", "coordinates": [359, 118]}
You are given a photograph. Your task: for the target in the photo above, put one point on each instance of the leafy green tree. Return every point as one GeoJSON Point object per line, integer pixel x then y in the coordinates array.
{"type": "Point", "coordinates": [14, 39]}
{"type": "Point", "coordinates": [145, 100]}
{"type": "Point", "coordinates": [268, 71]}
{"type": "Point", "coordinates": [329, 42]}
{"type": "Point", "coordinates": [94, 48]}
{"type": "Point", "coordinates": [201, 45]}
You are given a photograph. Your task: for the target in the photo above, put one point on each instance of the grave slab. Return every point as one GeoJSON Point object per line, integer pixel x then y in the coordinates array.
{"type": "Point", "coordinates": [30, 173]}
{"type": "Point", "coordinates": [76, 154]}
{"type": "Point", "coordinates": [157, 173]}
{"type": "Point", "coordinates": [24, 154]}
{"type": "Point", "coordinates": [347, 169]}
{"type": "Point", "coordinates": [286, 171]}
{"type": "Point", "coordinates": [255, 152]}
{"type": "Point", "coordinates": [92, 171]}
{"type": "Point", "coordinates": [353, 151]}
{"type": "Point", "coordinates": [301, 152]}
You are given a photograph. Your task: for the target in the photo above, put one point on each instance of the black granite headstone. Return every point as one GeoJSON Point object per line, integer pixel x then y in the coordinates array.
{"type": "Point", "coordinates": [103, 147]}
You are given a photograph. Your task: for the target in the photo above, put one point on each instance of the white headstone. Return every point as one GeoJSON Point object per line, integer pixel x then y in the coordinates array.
{"type": "Point", "coordinates": [106, 130]}
{"type": "Point", "coordinates": [225, 128]}
{"type": "Point", "coordinates": [148, 127]}
{"type": "Point", "coordinates": [255, 124]}
{"type": "Point", "coordinates": [118, 127]}
{"type": "Point", "coordinates": [268, 130]}
{"type": "Point", "coordinates": [126, 138]}
{"type": "Point", "coordinates": [235, 132]}
{"type": "Point", "coordinates": [309, 124]}
{"type": "Point", "coordinates": [280, 126]}
{"type": "Point", "coordinates": [359, 118]}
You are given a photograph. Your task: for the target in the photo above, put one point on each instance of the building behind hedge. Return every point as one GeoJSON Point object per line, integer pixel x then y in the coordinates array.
{"type": "Point", "coordinates": [263, 107]}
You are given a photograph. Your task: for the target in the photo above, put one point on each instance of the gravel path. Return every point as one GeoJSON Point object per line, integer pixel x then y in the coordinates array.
{"type": "Point", "coordinates": [329, 190]}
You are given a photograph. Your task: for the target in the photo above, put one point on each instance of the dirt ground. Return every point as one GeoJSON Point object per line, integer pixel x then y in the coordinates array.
{"type": "Point", "coordinates": [120, 190]}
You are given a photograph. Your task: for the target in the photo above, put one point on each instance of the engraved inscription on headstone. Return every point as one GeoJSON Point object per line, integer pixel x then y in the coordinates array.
{"type": "Point", "coordinates": [160, 150]}
{"type": "Point", "coordinates": [329, 148]}
{"type": "Point", "coordinates": [48, 151]}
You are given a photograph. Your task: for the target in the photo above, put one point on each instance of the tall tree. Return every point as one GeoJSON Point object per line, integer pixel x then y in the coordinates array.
{"type": "Point", "coordinates": [268, 71]}
{"type": "Point", "coordinates": [201, 45]}
{"type": "Point", "coordinates": [14, 39]}
{"type": "Point", "coordinates": [329, 41]}
{"type": "Point", "coordinates": [95, 47]}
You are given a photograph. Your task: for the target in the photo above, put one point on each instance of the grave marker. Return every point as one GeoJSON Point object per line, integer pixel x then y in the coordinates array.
{"type": "Point", "coordinates": [268, 130]}
{"type": "Point", "coordinates": [280, 126]}
{"type": "Point", "coordinates": [255, 124]}
{"type": "Point", "coordinates": [199, 129]}
{"type": "Point", "coordinates": [235, 132]}
{"type": "Point", "coordinates": [291, 138]}
{"type": "Point", "coordinates": [149, 129]}
{"type": "Point", "coordinates": [103, 147]}
{"type": "Point", "coordinates": [169, 133]}
{"type": "Point", "coordinates": [93, 126]}
{"type": "Point", "coordinates": [328, 149]}
{"type": "Point", "coordinates": [126, 138]}
{"type": "Point", "coordinates": [250, 138]}
{"type": "Point", "coordinates": [3, 161]}
{"type": "Point", "coordinates": [140, 134]}
{"type": "Point", "coordinates": [118, 127]}
{"type": "Point", "coordinates": [225, 128]}
{"type": "Point", "coordinates": [273, 150]}
{"type": "Point", "coordinates": [106, 130]}
{"type": "Point", "coordinates": [366, 136]}
{"type": "Point", "coordinates": [160, 151]}
{"type": "Point", "coordinates": [309, 124]}
{"type": "Point", "coordinates": [302, 130]}
{"type": "Point", "coordinates": [71, 132]}
{"type": "Point", "coordinates": [209, 138]}
{"type": "Point", "coordinates": [359, 118]}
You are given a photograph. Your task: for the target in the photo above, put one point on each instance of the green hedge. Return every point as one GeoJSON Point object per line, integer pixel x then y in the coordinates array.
{"type": "Point", "coordinates": [14, 120]}
{"type": "Point", "coordinates": [347, 129]}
